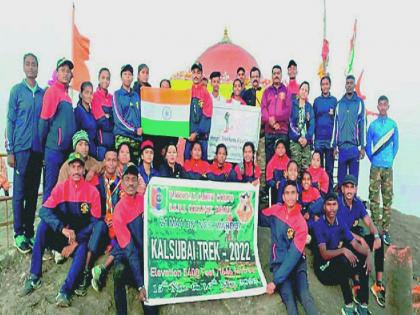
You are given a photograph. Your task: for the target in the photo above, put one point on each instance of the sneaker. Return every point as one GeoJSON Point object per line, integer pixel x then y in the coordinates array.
{"type": "Point", "coordinates": [348, 310]}
{"type": "Point", "coordinates": [30, 285]}
{"type": "Point", "coordinates": [308, 239]}
{"type": "Point", "coordinates": [58, 258]}
{"type": "Point", "coordinates": [362, 310]}
{"type": "Point", "coordinates": [62, 300]}
{"type": "Point", "coordinates": [30, 241]}
{"type": "Point", "coordinates": [355, 289]}
{"type": "Point", "coordinates": [84, 284]}
{"type": "Point", "coordinates": [48, 255]}
{"type": "Point", "coordinates": [98, 277]}
{"type": "Point", "coordinates": [379, 293]}
{"type": "Point", "coordinates": [387, 238]}
{"type": "Point", "coordinates": [21, 244]}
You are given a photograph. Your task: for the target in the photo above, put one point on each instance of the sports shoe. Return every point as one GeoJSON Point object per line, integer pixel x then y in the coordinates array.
{"type": "Point", "coordinates": [21, 244]}
{"type": "Point", "coordinates": [30, 241]}
{"type": "Point", "coordinates": [62, 300]}
{"type": "Point", "coordinates": [379, 293]}
{"type": "Point", "coordinates": [355, 289]}
{"type": "Point", "coordinates": [30, 285]}
{"type": "Point", "coordinates": [58, 258]}
{"type": "Point", "coordinates": [308, 239]}
{"type": "Point", "coordinates": [387, 238]}
{"type": "Point", "coordinates": [48, 255]}
{"type": "Point", "coordinates": [81, 290]}
{"type": "Point", "coordinates": [362, 310]}
{"type": "Point", "coordinates": [98, 277]}
{"type": "Point", "coordinates": [348, 310]}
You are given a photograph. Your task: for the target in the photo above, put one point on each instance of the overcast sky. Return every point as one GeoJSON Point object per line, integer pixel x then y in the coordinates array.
{"type": "Point", "coordinates": [170, 35]}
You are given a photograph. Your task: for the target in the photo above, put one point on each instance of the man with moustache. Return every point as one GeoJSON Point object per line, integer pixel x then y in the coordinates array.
{"type": "Point", "coordinates": [253, 95]}
{"type": "Point", "coordinates": [275, 113]}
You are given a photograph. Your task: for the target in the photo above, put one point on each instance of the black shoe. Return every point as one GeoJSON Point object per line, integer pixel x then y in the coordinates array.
{"type": "Point", "coordinates": [84, 284]}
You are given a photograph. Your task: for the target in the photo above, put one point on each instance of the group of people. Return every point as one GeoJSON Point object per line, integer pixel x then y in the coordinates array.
{"type": "Point", "coordinates": [97, 163]}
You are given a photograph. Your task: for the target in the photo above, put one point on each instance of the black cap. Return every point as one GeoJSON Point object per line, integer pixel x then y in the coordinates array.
{"type": "Point", "coordinates": [350, 179]}
{"type": "Point", "coordinates": [64, 61]}
{"type": "Point", "coordinates": [330, 196]}
{"type": "Point", "coordinates": [215, 74]}
{"type": "Point", "coordinates": [198, 66]}
{"type": "Point", "coordinates": [127, 67]}
{"type": "Point", "coordinates": [130, 168]}
{"type": "Point", "coordinates": [291, 63]}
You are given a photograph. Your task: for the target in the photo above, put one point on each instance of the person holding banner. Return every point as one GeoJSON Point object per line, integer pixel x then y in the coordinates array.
{"type": "Point", "coordinates": [215, 84]}
{"type": "Point", "coordinates": [200, 113]}
{"type": "Point", "coordinates": [128, 226]}
{"type": "Point", "coordinates": [301, 128]}
{"type": "Point", "coordinates": [275, 114]}
{"type": "Point", "coordinates": [102, 111]}
{"type": "Point", "coordinates": [170, 167]}
{"type": "Point", "coordinates": [236, 98]}
{"type": "Point", "coordinates": [222, 171]}
{"type": "Point", "coordinates": [253, 95]}
{"type": "Point", "coordinates": [127, 114]}
{"type": "Point", "coordinates": [250, 171]}
{"type": "Point", "coordinates": [196, 167]}
{"type": "Point", "coordinates": [287, 262]}
{"type": "Point", "coordinates": [146, 169]}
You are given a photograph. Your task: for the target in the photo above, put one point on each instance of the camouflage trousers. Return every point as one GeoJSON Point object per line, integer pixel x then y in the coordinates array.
{"type": "Point", "coordinates": [302, 155]}
{"type": "Point", "coordinates": [134, 147]}
{"type": "Point", "coordinates": [381, 181]}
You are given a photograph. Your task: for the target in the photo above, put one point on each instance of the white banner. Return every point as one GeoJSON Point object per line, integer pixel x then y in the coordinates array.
{"type": "Point", "coordinates": [234, 125]}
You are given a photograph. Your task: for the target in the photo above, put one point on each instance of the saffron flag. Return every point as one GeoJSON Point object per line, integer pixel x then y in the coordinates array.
{"type": "Point", "coordinates": [80, 54]}
{"type": "Point", "coordinates": [352, 50]}
{"type": "Point", "coordinates": [165, 112]}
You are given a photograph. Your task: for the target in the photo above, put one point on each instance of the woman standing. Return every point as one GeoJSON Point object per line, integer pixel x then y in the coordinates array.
{"type": "Point", "coordinates": [102, 112]}
{"type": "Point", "coordinates": [84, 117]}
{"type": "Point", "coordinates": [301, 128]}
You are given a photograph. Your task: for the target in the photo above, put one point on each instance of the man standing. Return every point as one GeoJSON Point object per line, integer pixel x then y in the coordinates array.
{"type": "Point", "coordinates": [127, 114]}
{"type": "Point", "coordinates": [324, 111]}
{"type": "Point", "coordinates": [253, 95]}
{"type": "Point", "coordinates": [67, 220]}
{"type": "Point", "coordinates": [339, 257]}
{"type": "Point", "coordinates": [382, 148]}
{"type": "Point", "coordinates": [292, 85]}
{"type": "Point", "coordinates": [215, 84]}
{"type": "Point", "coordinates": [200, 113]}
{"type": "Point", "coordinates": [275, 113]}
{"type": "Point", "coordinates": [57, 125]}
{"type": "Point", "coordinates": [128, 225]}
{"type": "Point", "coordinates": [349, 133]}
{"type": "Point", "coordinates": [24, 151]}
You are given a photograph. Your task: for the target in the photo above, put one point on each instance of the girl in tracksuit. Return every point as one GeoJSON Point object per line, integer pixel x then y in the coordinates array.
{"type": "Point", "coordinates": [301, 128]}
{"type": "Point", "coordinates": [250, 171]}
{"type": "Point", "coordinates": [146, 169]}
{"type": "Point", "coordinates": [102, 112]}
{"type": "Point", "coordinates": [311, 201]}
{"type": "Point", "coordinates": [277, 167]}
{"type": "Point", "coordinates": [320, 178]}
{"type": "Point", "coordinates": [84, 116]}
{"type": "Point", "coordinates": [291, 174]}
{"type": "Point", "coordinates": [223, 171]}
{"type": "Point", "coordinates": [236, 98]}
{"type": "Point", "coordinates": [196, 167]}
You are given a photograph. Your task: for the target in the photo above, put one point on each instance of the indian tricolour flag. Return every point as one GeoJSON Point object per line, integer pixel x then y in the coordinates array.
{"type": "Point", "coordinates": [165, 112]}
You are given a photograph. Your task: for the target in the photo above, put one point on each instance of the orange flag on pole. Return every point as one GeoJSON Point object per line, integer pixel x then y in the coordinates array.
{"type": "Point", "coordinates": [80, 54]}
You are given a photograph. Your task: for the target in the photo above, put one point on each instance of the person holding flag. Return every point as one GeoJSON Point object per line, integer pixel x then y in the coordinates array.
{"type": "Point", "coordinates": [200, 112]}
